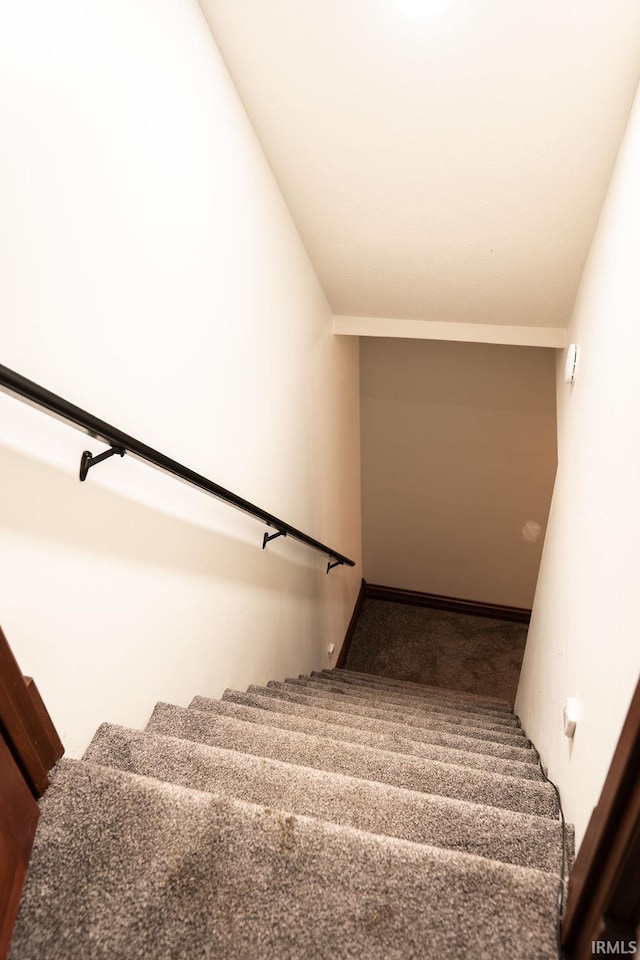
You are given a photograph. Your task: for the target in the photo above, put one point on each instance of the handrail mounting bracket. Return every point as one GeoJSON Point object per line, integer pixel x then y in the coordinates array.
{"type": "Point", "coordinates": [273, 536]}
{"type": "Point", "coordinates": [87, 460]}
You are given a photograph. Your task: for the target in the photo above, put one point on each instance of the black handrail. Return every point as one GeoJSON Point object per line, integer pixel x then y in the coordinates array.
{"type": "Point", "coordinates": [122, 443]}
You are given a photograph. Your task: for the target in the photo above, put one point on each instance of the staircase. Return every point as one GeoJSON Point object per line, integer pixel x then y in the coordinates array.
{"type": "Point", "coordinates": [339, 816]}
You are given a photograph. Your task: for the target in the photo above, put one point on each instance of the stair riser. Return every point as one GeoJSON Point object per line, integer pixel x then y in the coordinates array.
{"type": "Point", "coordinates": [346, 721]}
{"type": "Point", "coordinates": [410, 719]}
{"type": "Point", "coordinates": [156, 871]}
{"type": "Point", "coordinates": [461, 695]}
{"type": "Point", "coordinates": [362, 804]}
{"type": "Point", "coordinates": [400, 701]}
{"type": "Point", "coordinates": [443, 779]}
{"type": "Point", "coordinates": [368, 738]}
{"type": "Point", "coordinates": [442, 699]}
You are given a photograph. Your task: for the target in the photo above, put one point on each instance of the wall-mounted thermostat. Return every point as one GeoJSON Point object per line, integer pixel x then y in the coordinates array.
{"type": "Point", "coordinates": [572, 363]}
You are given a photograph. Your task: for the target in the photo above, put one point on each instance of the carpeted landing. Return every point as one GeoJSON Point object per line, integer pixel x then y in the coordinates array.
{"type": "Point", "coordinates": [339, 815]}
{"type": "Point", "coordinates": [438, 647]}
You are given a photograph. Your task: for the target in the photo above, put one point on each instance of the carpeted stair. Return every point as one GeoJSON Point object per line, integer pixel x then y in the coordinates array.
{"type": "Point", "coordinates": [333, 816]}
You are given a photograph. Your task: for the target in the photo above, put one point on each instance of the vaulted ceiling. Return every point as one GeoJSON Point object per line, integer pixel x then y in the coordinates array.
{"type": "Point", "coordinates": [445, 161]}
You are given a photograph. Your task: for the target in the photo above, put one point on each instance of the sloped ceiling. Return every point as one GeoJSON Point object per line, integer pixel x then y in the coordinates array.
{"type": "Point", "coordinates": [445, 161]}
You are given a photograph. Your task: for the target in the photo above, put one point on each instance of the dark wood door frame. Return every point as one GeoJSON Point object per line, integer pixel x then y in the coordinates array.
{"type": "Point", "coordinates": [29, 747]}
{"type": "Point", "coordinates": [603, 902]}
{"type": "Point", "coordinates": [18, 821]}
{"type": "Point", "coordinates": [25, 723]}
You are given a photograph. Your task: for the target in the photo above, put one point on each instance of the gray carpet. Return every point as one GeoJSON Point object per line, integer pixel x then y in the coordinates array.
{"type": "Point", "coordinates": [453, 650]}
{"type": "Point", "coordinates": [367, 805]}
{"type": "Point", "coordinates": [408, 703]}
{"type": "Point", "coordinates": [523, 766]}
{"type": "Point", "coordinates": [289, 714]}
{"type": "Point", "coordinates": [426, 720]}
{"type": "Point", "coordinates": [369, 763]}
{"type": "Point", "coordinates": [337, 815]}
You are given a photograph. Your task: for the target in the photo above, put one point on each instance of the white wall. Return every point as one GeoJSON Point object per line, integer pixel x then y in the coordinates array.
{"type": "Point", "coordinates": [583, 640]}
{"type": "Point", "coordinates": [458, 455]}
{"type": "Point", "coordinates": [150, 273]}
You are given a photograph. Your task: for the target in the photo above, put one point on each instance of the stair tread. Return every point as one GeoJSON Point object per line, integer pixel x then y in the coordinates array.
{"type": "Point", "coordinates": [428, 700]}
{"type": "Point", "coordinates": [288, 707]}
{"type": "Point", "coordinates": [138, 868]}
{"type": "Point", "coordinates": [404, 703]}
{"type": "Point", "coordinates": [364, 804]}
{"type": "Point", "coordinates": [452, 717]}
{"type": "Point", "coordinates": [515, 793]}
{"type": "Point", "coordinates": [344, 705]}
{"type": "Point", "coordinates": [394, 743]}
{"type": "Point", "coordinates": [404, 684]}
{"type": "Point", "coordinates": [429, 694]}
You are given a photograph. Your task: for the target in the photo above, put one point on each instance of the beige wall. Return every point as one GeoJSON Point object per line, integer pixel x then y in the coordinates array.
{"type": "Point", "coordinates": [458, 452]}
{"type": "Point", "coordinates": [150, 272]}
{"type": "Point", "coordinates": [584, 639]}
